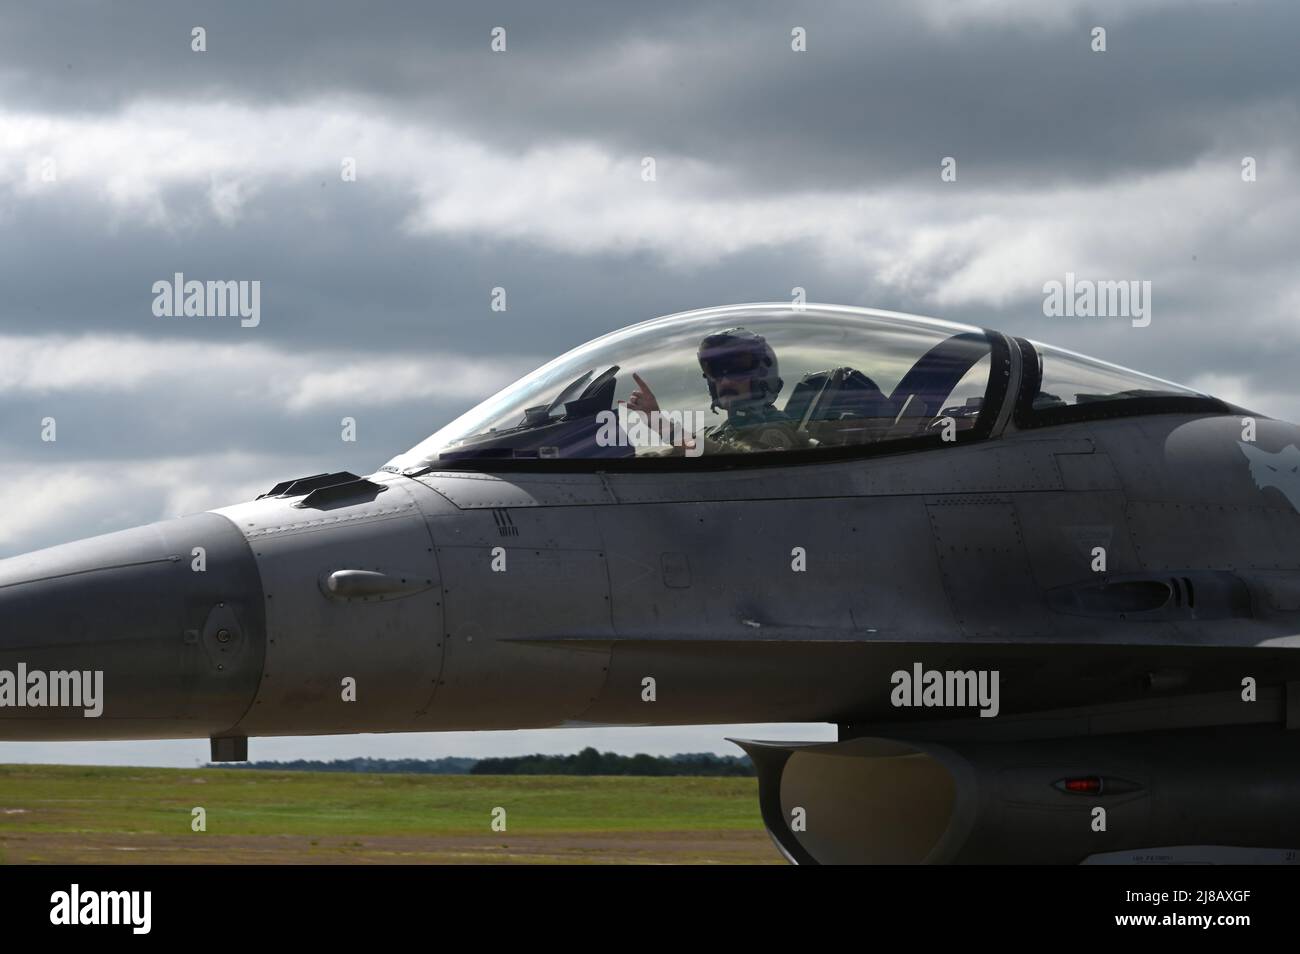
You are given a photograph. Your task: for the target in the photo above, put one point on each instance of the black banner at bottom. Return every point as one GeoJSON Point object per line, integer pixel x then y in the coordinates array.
{"type": "Point", "coordinates": [335, 903]}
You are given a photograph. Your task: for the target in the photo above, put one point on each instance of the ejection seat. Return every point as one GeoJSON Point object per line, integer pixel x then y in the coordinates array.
{"type": "Point", "coordinates": [840, 406]}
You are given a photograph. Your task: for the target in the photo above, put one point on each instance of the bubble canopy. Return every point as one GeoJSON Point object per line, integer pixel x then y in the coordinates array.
{"type": "Point", "coordinates": [837, 368]}
{"type": "Point", "coordinates": [743, 380]}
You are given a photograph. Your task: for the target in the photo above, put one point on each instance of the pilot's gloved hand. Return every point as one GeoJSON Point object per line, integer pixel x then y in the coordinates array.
{"type": "Point", "coordinates": [642, 399]}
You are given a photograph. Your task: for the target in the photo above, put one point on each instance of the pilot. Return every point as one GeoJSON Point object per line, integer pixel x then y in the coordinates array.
{"type": "Point", "coordinates": [741, 370]}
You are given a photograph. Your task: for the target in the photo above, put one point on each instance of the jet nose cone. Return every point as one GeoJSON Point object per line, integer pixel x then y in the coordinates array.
{"type": "Point", "coordinates": [166, 618]}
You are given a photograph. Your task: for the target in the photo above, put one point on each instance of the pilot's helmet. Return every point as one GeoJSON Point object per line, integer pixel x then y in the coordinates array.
{"type": "Point", "coordinates": [738, 353]}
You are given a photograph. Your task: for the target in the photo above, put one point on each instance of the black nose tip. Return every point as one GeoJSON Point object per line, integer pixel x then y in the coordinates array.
{"type": "Point", "coordinates": [140, 612]}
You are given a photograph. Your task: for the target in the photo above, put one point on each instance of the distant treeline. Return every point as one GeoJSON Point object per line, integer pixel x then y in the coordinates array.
{"type": "Point", "coordinates": [587, 762]}
{"type": "Point", "coordinates": [448, 766]}
{"type": "Point", "coordinates": [591, 762]}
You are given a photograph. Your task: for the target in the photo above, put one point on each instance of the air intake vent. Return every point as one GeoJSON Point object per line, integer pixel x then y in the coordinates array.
{"type": "Point", "coordinates": [1198, 594]}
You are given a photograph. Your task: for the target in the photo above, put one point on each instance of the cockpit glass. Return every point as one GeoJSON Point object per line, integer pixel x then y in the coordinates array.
{"type": "Point", "coordinates": [731, 381]}
{"type": "Point", "coordinates": [1068, 379]}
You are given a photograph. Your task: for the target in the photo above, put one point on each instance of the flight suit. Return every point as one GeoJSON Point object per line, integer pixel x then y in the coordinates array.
{"type": "Point", "coordinates": [766, 429]}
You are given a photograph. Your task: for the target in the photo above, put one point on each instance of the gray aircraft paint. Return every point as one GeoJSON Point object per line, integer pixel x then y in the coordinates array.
{"type": "Point", "coordinates": [970, 557]}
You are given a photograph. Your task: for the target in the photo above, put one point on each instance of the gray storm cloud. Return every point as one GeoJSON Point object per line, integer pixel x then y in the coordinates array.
{"type": "Point", "coordinates": [125, 158]}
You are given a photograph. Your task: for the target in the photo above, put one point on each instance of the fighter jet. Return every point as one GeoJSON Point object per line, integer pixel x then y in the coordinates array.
{"type": "Point", "coordinates": [1051, 604]}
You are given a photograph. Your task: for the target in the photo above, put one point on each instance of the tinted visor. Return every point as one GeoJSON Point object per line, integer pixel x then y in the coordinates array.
{"type": "Point", "coordinates": [728, 363]}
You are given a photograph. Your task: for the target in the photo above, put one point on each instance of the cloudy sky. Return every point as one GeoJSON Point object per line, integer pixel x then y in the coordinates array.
{"type": "Point", "coordinates": [126, 157]}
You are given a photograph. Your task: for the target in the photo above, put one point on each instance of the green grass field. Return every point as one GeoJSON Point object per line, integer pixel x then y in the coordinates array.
{"type": "Point", "coordinates": [79, 814]}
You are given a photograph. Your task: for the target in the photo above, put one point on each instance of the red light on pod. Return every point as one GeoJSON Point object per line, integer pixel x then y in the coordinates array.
{"type": "Point", "coordinates": [1082, 785]}
{"type": "Point", "coordinates": [1096, 785]}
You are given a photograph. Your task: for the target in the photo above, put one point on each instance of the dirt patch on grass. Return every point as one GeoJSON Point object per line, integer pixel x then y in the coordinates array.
{"type": "Point", "coordinates": [694, 847]}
